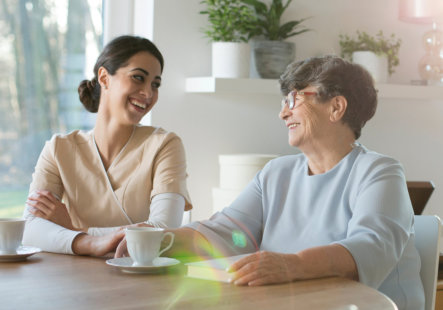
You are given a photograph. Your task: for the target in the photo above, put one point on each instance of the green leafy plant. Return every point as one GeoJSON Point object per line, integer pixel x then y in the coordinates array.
{"type": "Point", "coordinates": [268, 24]}
{"type": "Point", "coordinates": [378, 44]}
{"type": "Point", "coordinates": [229, 20]}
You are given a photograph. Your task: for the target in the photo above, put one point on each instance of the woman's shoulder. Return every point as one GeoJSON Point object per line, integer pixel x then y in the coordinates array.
{"type": "Point", "coordinates": [286, 162]}
{"type": "Point", "coordinates": [368, 160]}
{"type": "Point", "coordinates": [63, 145]}
{"type": "Point", "coordinates": [151, 135]}
{"type": "Point", "coordinates": [368, 156]}
{"type": "Point", "coordinates": [146, 131]}
{"type": "Point", "coordinates": [73, 137]}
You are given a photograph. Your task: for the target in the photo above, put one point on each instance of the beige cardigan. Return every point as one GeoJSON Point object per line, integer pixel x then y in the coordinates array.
{"type": "Point", "coordinates": [152, 162]}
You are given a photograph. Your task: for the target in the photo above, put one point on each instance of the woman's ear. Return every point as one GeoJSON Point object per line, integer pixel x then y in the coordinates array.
{"type": "Point", "coordinates": [103, 77]}
{"type": "Point", "coordinates": [338, 108]}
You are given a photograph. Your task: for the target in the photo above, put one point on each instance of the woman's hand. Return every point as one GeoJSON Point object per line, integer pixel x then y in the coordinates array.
{"type": "Point", "coordinates": [45, 205]}
{"type": "Point", "coordinates": [122, 249]}
{"type": "Point", "coordinates": [85, 244]}
{"type": "Point", "coordinates": [263, 268]}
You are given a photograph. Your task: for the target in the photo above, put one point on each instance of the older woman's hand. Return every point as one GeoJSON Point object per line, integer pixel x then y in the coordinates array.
{"type": "Point", "coordinates": [45, 205]}
{"type": "Point", "coordinates": [263, 268]}
{"type": "Point", "coordinates": [122, 249]}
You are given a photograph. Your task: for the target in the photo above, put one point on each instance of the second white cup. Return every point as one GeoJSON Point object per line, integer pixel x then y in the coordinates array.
{"type": "Point", "coordinates": [144, 244]}
{"type": "Point", "coordinates": [11, 234]}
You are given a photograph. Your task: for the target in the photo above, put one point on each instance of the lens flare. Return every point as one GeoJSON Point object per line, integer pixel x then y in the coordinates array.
{"type": "Point", "coordinates": [239, 239]}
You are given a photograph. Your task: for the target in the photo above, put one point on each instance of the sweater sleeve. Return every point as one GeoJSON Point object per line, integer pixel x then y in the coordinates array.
{"type": "Point", "coordinates": [237, 229]}
{"type": "Point", "coordinates": [166, 212]}
{"type": "Point", "coordinates": [39, 232]}
{"type": "Point", "coordinates": [170, 169]}
{"type": "Point", "coordinates": [381, 223]}
{"type": "Point", "coordinates": [48, 236]}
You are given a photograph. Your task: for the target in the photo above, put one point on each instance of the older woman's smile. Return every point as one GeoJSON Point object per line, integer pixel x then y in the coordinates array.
{"type": "Point", "coordinates": [292, 125]}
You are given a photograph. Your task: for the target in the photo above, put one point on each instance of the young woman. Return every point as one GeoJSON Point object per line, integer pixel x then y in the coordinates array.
{"type": "Point", "coordinates": [87, 185]}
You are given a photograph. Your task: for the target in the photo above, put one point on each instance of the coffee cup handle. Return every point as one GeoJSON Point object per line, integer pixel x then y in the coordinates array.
{"type": "Point", "coordinates": [171, 235]}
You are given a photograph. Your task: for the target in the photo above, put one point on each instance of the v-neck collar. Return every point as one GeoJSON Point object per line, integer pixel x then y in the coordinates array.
{"type": "Point", "coordinates": [105, 172]}
{"type": "Point", "coordinates": [118, 155]}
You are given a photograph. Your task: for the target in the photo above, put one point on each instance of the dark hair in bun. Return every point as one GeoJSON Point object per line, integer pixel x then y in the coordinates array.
{"type": "Point", "coordinates": [89, 94]}
{"type": "Point", "coordinates": [114, 56]}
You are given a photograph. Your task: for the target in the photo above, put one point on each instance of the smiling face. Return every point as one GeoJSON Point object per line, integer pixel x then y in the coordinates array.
{"type": "Point", "coordinates": [307, 121]}
{"type": "Point", "coordinates": [132, 91]}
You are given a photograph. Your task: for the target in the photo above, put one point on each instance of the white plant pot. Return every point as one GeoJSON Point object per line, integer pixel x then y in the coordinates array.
{"type": "Point", "coordinates": [230, 59]}
{"type": "Point", "coordinates": [376, 65]}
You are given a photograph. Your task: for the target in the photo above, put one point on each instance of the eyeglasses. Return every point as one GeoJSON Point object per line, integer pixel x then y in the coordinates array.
{"type": "Point", "coordinates": [291, 99]}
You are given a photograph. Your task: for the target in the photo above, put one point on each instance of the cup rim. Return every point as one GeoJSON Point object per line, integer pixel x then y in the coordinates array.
{"type": "Point", "coordinates": [144, 229]}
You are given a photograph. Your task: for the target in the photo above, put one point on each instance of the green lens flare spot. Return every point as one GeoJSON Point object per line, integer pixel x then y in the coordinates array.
{"type": "Point", "coordinates": [239, 239]}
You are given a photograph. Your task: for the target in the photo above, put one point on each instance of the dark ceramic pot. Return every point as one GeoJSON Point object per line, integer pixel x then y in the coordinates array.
{"type": "Point", "coordinates": [272, 57]}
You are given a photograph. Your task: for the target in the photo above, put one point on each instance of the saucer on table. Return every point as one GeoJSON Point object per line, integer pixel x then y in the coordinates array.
{"type": "Point", "coordinates": [23, 252]}
{"type": "Point", "coordinates": [158, 264]}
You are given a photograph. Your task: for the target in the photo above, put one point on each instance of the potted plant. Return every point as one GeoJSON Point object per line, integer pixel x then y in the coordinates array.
{"type": "Point", "coordinates": [231, 25]}
{"type": "Point", "coordinates": [378, 54]}
{"type": "Point", "coordinates": [272, 54]}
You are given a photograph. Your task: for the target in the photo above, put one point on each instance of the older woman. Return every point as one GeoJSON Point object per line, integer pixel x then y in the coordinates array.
{"type": "Point", "coordinates": [336, 209]}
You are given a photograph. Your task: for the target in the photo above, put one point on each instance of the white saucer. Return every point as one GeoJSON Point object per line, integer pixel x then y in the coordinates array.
{"type": "Point", "coordinates": [22, 253]}
{"type": "Point", "coordinates": [126, 264]}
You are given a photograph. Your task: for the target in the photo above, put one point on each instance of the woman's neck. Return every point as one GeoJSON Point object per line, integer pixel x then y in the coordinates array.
{"type": "Point", "coordinates": [110, 139]}
{"type": "Point", "coordinates": [325, 155]}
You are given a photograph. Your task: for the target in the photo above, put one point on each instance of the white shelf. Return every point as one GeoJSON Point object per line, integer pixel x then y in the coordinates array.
{"type": "Point", "coordinates": [267, 86]}
{"type": "Point", "coordinates": [213, 85]}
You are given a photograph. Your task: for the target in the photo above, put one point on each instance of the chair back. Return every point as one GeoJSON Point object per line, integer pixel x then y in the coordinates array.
{"type": "Point", "coordinates": [419, 192]}
{"type": "Point", "coordinates": [427, 236]}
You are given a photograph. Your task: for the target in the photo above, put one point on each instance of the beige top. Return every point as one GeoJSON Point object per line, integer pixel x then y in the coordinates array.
{"type": "Point", "coordinates": [152, 162]}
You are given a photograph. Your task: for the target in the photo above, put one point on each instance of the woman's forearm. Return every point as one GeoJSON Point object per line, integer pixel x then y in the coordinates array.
{"type": "Point", "coordinates": [324, 261]}
{"type": "Point", "coordinates": [188, 244]}
{"type": "Point", "coordinates": [82, 244]}
{"type": "Point", "coordinates": [47, 236]}
{"type": "Point", "coordinates": [264, 267]}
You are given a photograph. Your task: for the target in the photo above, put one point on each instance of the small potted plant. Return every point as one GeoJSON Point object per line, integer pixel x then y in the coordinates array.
{"type": "Point", "coordinates": [378, 54]}
{"type": "Point", "coordinates": [231, 25]}
{"type": "Point", "coordinates": [271, 52]}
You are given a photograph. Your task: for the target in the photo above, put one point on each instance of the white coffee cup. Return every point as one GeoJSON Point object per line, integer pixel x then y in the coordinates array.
{"type": "Point", "coordinates": [144, 244]}
{"type": "Point", "coordinates": [11, 234]}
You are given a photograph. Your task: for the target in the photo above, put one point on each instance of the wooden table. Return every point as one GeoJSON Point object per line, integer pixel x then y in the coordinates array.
{"type": "Point", "coordinates": [56, 281]}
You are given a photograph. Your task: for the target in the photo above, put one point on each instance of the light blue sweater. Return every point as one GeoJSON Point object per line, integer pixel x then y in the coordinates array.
{"type": "Point", "coordinates": [362, 204]}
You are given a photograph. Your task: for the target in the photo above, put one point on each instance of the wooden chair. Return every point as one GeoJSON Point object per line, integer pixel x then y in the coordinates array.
{"type": "Point", "coordinates": [419, 191]}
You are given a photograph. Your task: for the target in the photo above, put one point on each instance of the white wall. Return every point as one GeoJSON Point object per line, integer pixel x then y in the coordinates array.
{"type": "Point", "coordinates": [225, 123]}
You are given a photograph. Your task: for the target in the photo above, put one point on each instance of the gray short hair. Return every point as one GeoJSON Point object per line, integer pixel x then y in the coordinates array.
{"type": "Point", "coordinates": [334, 76]}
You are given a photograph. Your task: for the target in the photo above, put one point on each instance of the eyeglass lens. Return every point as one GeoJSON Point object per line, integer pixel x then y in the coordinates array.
{"type": "Point", "coordinates": [289, 100]}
